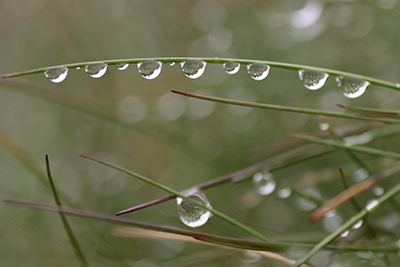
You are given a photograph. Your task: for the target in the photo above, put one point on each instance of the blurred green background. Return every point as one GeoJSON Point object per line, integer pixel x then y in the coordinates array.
{"type": "Point", "coordinates": [177, 141]}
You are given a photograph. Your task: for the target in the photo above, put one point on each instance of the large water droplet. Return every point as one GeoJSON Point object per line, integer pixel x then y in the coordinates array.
{"type": "Point", "coordinates": [191, 214]}
{"type": "Point", "coordinates": [264, 183]}
{"type": "Point", "coordinates": [258, 71]}
{"type": "Point", "coordinates": [149, 69]}
{"type": "Point", "coordinates": [122, 66]}
{"type": "Point", "coordinates": [312, 79]}
{"type": "Point", "coordinates": [193, 68]}
{"type": "Point", "coordinates": [231, 67]}
{"type": "Point", "coordinates": [56, 74]}
{"type": "Point", "coordinates": [352, 87]}
{"type": "Point", "coordinates": [96, 70]}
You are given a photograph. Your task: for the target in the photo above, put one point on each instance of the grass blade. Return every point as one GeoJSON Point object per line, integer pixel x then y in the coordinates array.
{"type": "Point", "coordinates": [338, 144]}
{"type": "Point", "coordinates": [283, 108]}
{"type": "Point", "coordinates": [67, 227]}
{"type": "Point", "coordinates": [216, 213]}
{"type": "Point", "coordinates": [281, 65]}
{"type": "Point", "coordinates": [367, 210]}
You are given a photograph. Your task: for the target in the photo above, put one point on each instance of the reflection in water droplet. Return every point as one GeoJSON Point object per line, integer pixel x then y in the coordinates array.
{"type": "Point", "coordinates": [284, 192]}
{"type": "Point", "coordinates": [312, 79]}
{"type": "Point", "coordinates": [264, 183]}
{"type": "Point", "coordinates": [258, 71]}
{"type": "Point", "coordinates": [231, 67]}
{"type": "Point", "coordinates": [56, 74]}
{"type": "Point", "coordinates": [378, 190]}
{"type": "Point", "coordinates": [352, 87]}
{"type": "Point", "coordinates": [345, 233]}
{"type": "Point", "coordinates": [191, 214]}
{"type": "Point", "coordinates": [149, 69]}
{"type": "Point", "coordinates": [372, 205]}
{"type": "Point", "coordinates": [122, 66]}
{"type": "Point", "coordinates": [357, 224]}
{"type": "Point", "coordinates": [193, 68]}
{"type": "Point", "coordinates": [96, 70]}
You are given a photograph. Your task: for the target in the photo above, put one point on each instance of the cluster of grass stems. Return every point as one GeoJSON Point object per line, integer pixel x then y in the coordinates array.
{"type": "Point", "coordinates": [299, 149]}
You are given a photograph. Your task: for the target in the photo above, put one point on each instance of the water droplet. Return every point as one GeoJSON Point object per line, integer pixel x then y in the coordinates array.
{"type": "Point", "coordinates": [193, 68]}
{"type": "Point", "coordinates": [284, 192]}
{"type": "Point", "coordinates": [345, 233]}
{"type": "Point", "coordinates": [250, 257]}
{"type": "Point", "coordinates": [96, 70]}
{"type": "Point", "coordinates": [357, 224]}
{"type": "Point", "coordinates": [172, 64]}
{"type": "Point", "coordinates": [149, 69]}
{"type": "Point", "coordinates": [231, 67]}
{"type": "Point", "coordinates": [56, 74]}
{"type": "Point", "coordinates": [264, 183]}
{"type": "Point", "coordinates": [360, 175]}
{"type": "Point", "coordinates": [378, 190]}
{"type": "Point", "coordinates": [312, 79]}
{"type": "Point", "coordinates": [359, 139]}
{"type": "Point", "coordinates": [78, 68]}
{"type": "Point", "coordinates": [122, 66]}
{"type": "Point", "coordinates": [352, 87]}
{"type": "Point", "coordinates": [323, 126]}
{"type": "Point", "coordinates": [258, 71]}
{"type": "Point", "coordinates": [191, 214]}
{"type": "Point", "coordinates": [372, 205]}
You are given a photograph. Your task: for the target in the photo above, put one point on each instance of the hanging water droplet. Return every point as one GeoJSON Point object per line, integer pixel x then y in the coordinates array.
{"type": "Point", "coordinates": [193, 68]}
{"type": "Point", "coordinates": [284, 192]}
{"type": "Point", "coordinates": [312, 79]}
{"type": "Point", "coordinates": [231, 67]}
{"type": "Point", "coordinates": [372, 205]}
{"type": "Point", "coordinates": [149, 69]}
{"type": "Point", "coordinates": [345, 233]}
{"type": "Point", "coordinates": [352, 87]}
{"type": "Point", "coordinates": [56, 74]}
{"type": "Point", "coordinates": [264, 183]}
{"type": "Point", "coordinates": [172, 63]}
{"type": "Point", "coordinates": [78, 68]}
{"type": "Point", "coordinates": [258, 71]}
{"type": "Point", "coordinates": [191, 214]}
{"type": "Point", "coordinates": [96, 70]}
{"type": "Point", "coordinates": [357, 224]}
{"type": "Point", "coordinates": [122, 66]}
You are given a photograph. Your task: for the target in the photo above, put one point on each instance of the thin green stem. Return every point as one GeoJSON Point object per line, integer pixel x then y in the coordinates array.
{"type": "Point", "coordinates": [216, 213]}
{"type": "Point", "coordinates": [374, 110]}
{"type": "Point", "coordinates": [283, 108]}
{"type": "Point", "coordinates": [339, 144]}
{"type": "Point", "coordinates": [364, 212]}
{"type": "Point", "coordinates": [67, 227]}
{"type": "Point", "coordinates": [216, 60]}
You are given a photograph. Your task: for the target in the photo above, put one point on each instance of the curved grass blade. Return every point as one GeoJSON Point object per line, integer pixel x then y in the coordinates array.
{"type": "Point", "coordinates": [216, 213]}
{"type": "Point", "coordinates": [282, 65]}
{"type": "Point", "coordinates": [283, 108]}
{"type": "Point", "coordinates": [67, 227]}
{"type": "Point", "coordinates": [338, 144]}
{"type": "Point", "coordinates": [374, 110]}
{"type": "Point", "coordinates": [367, 210]}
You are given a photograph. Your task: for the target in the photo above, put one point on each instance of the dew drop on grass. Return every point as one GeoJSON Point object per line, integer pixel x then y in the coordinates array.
{"type": "Point", "coordinates": [357, 224]}
{"type": "Point", "coordinates": [258, 71]}
{"type": "Point", "coordinates": [96, 70]}
{"type": "Point", "coordinates": [191, 214]}
{"type": "Point", "coordinates": [149, 69]}
{"type": "Point", "coordinates": [352, 87]}
{"type": "Point", "coordinates": [172, 64]}
{"type": "Point", "coordinates": [378, 190]}
{"type": "Point", "coordinates": [56, 74]}
{"type": "Point", "coordinates": [193, 68]}
{"type": "Point", "coordinates": [122, 66]}
{"type": "Point", "coordinates": [231, 67]}
{"type": "Point", "coordinates": [372, 205]}
{"type": "Point", "coordinates": [312, 79]}
{"type": "Point", "coordinates": [264, 183]}
{"type": "Point", "coordinates": [345, 233]}
{"type": "Point", "coordinates": [284, 192]}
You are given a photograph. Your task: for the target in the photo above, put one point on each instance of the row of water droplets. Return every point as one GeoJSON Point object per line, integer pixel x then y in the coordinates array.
{"type": "Point", "coordinates": [151, 69]}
